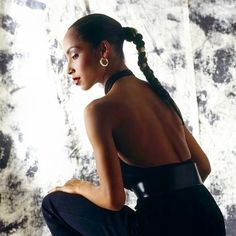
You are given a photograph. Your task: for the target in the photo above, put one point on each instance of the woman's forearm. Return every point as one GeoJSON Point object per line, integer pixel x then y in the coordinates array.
{"type": "Point", "coordinates": [96, 195]}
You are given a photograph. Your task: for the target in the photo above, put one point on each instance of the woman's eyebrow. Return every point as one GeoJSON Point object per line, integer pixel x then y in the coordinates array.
{"type": "Point", "coordinates": [68, 50]}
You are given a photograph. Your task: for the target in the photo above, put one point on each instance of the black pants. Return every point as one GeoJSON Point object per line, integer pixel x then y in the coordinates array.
{"type": "Point", "coordinates": [187, 212]}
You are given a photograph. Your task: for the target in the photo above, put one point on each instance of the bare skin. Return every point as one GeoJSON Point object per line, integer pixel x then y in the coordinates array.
{"type": "Point", "coordinates": [131, 123]}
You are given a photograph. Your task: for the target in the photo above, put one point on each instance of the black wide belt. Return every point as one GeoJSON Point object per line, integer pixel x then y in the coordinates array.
{"type": "Point", "coordinates": [171, 178]}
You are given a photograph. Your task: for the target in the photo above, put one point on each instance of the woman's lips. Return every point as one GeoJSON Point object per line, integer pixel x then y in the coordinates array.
{"type": "Point", "coordinates": [76, 80]}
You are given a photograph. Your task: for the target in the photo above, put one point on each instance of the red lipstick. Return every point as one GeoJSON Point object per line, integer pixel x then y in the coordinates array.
{"type": "Point", "coordinates": [76, 80]}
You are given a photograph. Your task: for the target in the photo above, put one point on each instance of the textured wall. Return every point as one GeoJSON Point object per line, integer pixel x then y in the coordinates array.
{"type": "Point", "coordinates": [192, 49]}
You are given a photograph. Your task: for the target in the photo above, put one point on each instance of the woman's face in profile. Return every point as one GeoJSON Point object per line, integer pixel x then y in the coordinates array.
{"type": "Point", "coordinates": [82, 58]}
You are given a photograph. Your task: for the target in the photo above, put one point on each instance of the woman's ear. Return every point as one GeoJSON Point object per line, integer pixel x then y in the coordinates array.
{"type": "Point", "coordinates": [105, 49]}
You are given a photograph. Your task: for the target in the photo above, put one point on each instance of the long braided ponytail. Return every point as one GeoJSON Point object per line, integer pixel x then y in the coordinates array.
{"type": "Point", "coordinates": [131, 35]}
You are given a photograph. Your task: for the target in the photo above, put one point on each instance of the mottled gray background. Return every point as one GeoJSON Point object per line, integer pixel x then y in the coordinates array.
{"type": "Point", "coordinates": [191, 47]}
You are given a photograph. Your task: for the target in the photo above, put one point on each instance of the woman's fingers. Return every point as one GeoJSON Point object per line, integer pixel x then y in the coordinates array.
{"type": "Point", "coordinates": [69, 187]}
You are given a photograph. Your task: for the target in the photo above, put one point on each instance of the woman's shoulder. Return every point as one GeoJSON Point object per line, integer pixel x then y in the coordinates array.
{"type": "Point", "coordinates": [105, 103]}
{"type": "Point", "coordinates": [106, 109]}
{"type": "Point", "coordinates": [120, 102]}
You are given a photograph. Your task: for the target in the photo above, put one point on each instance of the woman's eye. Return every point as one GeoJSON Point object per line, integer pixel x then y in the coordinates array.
{"type": "Point", "coordinates": [75, 56]}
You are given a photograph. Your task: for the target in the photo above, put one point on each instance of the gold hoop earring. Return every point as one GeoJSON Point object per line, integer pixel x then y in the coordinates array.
{"type": "Point", "coordinates": [104, 62]}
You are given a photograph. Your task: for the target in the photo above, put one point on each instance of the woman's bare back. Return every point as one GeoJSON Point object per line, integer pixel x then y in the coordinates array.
{"type": "Point", "coordinates": [145, 130]}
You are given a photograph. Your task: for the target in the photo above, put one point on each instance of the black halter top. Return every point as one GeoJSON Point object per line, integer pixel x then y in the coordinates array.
{"type": "Point", "coordinates": [115, 77]}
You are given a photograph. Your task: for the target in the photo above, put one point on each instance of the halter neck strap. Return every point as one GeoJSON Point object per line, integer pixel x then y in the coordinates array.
{"type": "Point", "coordinates": [115, 77]}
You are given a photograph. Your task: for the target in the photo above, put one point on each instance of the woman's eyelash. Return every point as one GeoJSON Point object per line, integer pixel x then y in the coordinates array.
{"type": "Point", "coordinates": [75, 56]}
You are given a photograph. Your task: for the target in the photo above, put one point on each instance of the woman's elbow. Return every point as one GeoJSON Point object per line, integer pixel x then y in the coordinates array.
{"type": "Point", "coordinates": [116, 204]}
{"type": "Point", "coordinates": [116, 207]}
{"type": "Point", "coordinates": [204, 172]}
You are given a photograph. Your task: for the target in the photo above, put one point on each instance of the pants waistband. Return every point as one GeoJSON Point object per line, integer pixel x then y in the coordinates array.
{"type": "Point", "coordinates": [173, 178]}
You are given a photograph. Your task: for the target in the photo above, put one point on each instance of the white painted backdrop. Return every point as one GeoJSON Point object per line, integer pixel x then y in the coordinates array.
{"type": "Point", "coordinates": [191, 47]}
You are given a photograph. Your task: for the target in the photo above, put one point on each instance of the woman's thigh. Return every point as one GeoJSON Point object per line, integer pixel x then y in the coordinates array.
{"type": "Point", "coordinates": [185, 212]}
{"type": "Point", "coordinates": [80, 215]}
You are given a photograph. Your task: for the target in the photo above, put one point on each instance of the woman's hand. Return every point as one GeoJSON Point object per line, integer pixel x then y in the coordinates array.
{"type": "Point", "coordinates": [71, 186]}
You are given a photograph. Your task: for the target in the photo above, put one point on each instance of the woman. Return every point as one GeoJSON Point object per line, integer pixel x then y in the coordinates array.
{"type": "Point", "coordinates": [140, 143]}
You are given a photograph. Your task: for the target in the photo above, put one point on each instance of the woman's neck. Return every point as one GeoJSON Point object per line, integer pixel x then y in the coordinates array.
{"type": "Point", "coordinates": [112, 69]}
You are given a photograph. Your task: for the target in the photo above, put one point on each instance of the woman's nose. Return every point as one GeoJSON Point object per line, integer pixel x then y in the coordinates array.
{"type": "Point", "coordinates": [70, 71]}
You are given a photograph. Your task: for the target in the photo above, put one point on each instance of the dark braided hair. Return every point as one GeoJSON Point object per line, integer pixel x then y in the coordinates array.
{"type": "Point", "coordinates": [131, 35]}
{"type": "Point", "coordinates": [94, 28]}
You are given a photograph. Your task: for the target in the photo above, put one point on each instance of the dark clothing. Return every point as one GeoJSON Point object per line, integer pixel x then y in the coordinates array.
{"type": "Point", "coordinates": [73, 215]}
{"type": "Point", "coordinates": [152, 181]}
{"type": "Point", "coordinates": [188, 211]}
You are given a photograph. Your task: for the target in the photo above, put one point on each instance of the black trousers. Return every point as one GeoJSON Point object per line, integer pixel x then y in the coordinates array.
{"type": "Point", "coordinates": [187, 212]}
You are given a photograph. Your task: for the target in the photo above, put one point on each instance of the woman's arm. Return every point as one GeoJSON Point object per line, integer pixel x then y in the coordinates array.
{"type": "Point", "coordinates": [110, 193]}
{"type": "Point", "coordinates": [198, 155]}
